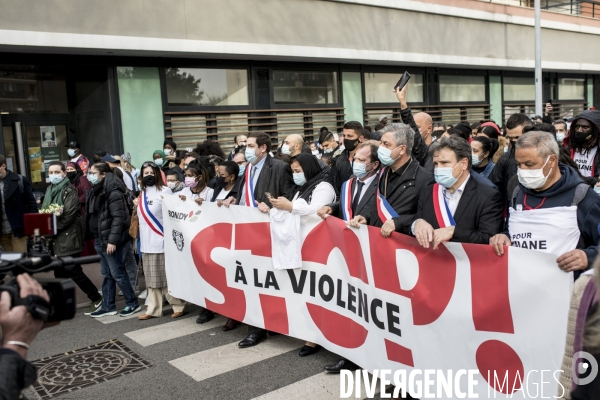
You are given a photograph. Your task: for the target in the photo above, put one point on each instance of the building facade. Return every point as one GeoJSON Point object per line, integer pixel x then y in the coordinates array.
{"type": "Point", "coordinates": [124, 75]}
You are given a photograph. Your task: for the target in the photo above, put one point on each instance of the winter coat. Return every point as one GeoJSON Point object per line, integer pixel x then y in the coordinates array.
{"type": "Point", "coordinates": [18, 203]}
{"type": "Point", "coordinates": [69, 237]}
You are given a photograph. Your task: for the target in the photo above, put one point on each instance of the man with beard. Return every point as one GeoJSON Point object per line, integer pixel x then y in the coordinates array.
{"type": "Point", "coordinates": [583, 145]}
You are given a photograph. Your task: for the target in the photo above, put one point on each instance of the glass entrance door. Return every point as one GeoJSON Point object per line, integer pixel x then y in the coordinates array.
{"type": "Point", "coordinates": [30, 147]}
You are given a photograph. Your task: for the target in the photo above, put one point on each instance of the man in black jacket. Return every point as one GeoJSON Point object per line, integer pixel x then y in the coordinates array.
{"type": "Point", "coordinates": [420, 147]}
{"type": "Point", "coordinates": [506, 167]}
{"type": "Point", "coordinates": [17, 200]}
{"type": "Point", "coordinates": [342, 169]}
{"type": "Point", "coordinates": [460, 206]}
{"type": "Point", "coordinates": [584, 141]}
{"type": "Point", "coordinates": [400, 182]}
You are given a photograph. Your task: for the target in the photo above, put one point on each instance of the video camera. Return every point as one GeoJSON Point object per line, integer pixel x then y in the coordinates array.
{"type": "Point", "coordinates": [62, 304]}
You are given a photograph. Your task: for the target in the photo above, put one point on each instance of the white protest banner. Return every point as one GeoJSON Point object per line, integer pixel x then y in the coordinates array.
{"type": "Point", "coordinates": [382, 303]}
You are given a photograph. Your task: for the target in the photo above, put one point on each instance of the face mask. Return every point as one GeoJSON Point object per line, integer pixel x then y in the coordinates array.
{"type": "Point", "coordinates": [327, 151]}
{"type": "Point", "coordinates": [158, 161]}
{"type": "Point", "coordinates": [475, 161]}
{"type": "Point", "coordinates": [56, 179]}
{"type": "Point", "coordinates": [582, 138]}
{"type": "Point", "coordinates": [93, 178]}
{"type": "Point", "coordinates": [250, 155]}
{"type": "Point", "coordinates": [71, 175]}
{"type": "Point", "coordinates": [359, 170]}
{"type": "Point", "coordinates": [315, 152]}
{"type": "Point", "coordinates": [444, 176]}
{"type": "Point", "coordinates": [560, 137]}
{"type": "Point", "coordinates": [285, 149]}
{"type": "Point", "coordinates": [597, 189]}
{"type": "Point", "coordinates": [533, 178]}
{"type": "Point", "coordinates": [220, 180]}
{"type": "Point", "coordinates": [149, 180]}
{"type": "Point", "coordinates": [299, 178]}
{"type": "Point", "coordinates": [172, 185]}
{"type": "Point", "coordinates": [242, 170]}
{"type": "Point", "coordinates": [71, 152]}
{"type": "Point", "coordinates": [167, 151]}
{"type": "Point", "coordinates": [385, 156]}
{"type": "Point", "coordinates": [190, 182]}
{"type": "Point", "coordinates": [350, 144]}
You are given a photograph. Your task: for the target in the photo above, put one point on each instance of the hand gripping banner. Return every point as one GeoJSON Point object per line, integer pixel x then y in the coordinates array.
{"type": "Point", "coordinates": [384, 303]}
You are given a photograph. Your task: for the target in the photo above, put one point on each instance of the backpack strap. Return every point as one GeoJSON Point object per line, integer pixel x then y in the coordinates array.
{"type": "Point", "coordinates": [515, 193]}
{"type": "Point", "coordinates": [580, 192]}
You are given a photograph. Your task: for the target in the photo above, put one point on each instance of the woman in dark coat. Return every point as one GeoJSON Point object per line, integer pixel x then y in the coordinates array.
{"type": "Point", "coordinates": [81, 183]}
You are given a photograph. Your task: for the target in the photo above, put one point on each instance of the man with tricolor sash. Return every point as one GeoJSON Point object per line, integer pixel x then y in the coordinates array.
{"type": "Point", "coordinates": [459, 206]}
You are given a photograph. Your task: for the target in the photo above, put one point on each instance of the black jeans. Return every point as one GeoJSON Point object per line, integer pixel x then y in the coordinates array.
{"type": "Point", "coordinates": [75, 273]}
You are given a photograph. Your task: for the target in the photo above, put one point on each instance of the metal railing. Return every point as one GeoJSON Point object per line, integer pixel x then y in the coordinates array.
{"type": "Point", "coordinates": [584, 8]}
{"type": "Point", "coordinates": [449, 114]}
{"type": "Point", "coordinates": [188, 128]}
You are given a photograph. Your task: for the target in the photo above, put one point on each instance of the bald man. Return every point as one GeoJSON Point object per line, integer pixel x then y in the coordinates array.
{"type": "Point", "coordinates": [425, 125]}
{"type": "Point", "coordinates": [292, 145]}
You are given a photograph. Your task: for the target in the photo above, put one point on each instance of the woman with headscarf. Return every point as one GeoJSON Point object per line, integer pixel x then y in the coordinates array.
{"type": "Point", "coordinates": [159, 159]}
{"type": "Point", "coordinates": [312, 192]}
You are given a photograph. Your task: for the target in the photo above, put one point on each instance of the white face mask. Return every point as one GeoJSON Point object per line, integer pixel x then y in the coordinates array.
{"type": "Point", "coordinates": [560, 137]}
{"type": "Point", "coordinates": [172, 185]}
{"type": "Point", "coordinates": [533, 178]}
{"type": "Point", "coordinates": [167, 151]}
{"type": "Point", "coordinates": [285, 149]}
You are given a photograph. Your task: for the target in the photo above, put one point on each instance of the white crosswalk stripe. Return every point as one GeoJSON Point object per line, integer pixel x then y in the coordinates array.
{"type": "Point", "coordinates": [222, 359]}
{"type": "Point", "coordinates": [172, 330]}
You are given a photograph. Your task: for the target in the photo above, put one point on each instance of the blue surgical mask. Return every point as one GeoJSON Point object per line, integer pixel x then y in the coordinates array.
{"type": "Point", "coordinates": [327, 151]}
{"type": "Point", "coordinates": [242, 170]}
{"type": "Point", "coordinates": [55, 179]}
{"type": "Point", "coordinates": [444, 176]}
{"type": "Point", "coordinates": [359, 170]}
{"type": "Point", "coordinates": [250, 155]}
{"type": "Point", "coordinates": [71, 152]}
{"type": "Point", "coordinates": [475, 161]}
{"type": "Point", "coordinates": [597, 189]}
{"type": "Point", "coordinates": [299, 178]}
{"type": "Point", "coordinates": [385, 155]}
{"type": "Point", "coordinates": [93, 178]}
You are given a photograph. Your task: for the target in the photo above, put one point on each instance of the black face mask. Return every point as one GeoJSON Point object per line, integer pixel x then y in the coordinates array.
{"type": "Point", "coordinates": [71, 175]}
{"type": "Point", "coordinates": [97, 159]}
{"type": "Point", "coordinates": [149, 180]}
{"type": "Point", "coordinates": [220, 181]}
{"type": "Point", "coordinates": [581, 137]}
{"type": "Point", "coordinates": [350, 144]}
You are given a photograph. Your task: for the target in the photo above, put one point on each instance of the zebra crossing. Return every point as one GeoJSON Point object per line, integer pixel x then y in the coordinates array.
{"type": "Point", "coordinates": [217, 361]}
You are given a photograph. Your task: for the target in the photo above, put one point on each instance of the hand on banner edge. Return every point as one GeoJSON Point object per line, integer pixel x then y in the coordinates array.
{"type": "Point", "coordinates": [498, 242]}
{"type": "Point", "coordinates": [357, 221]}
{"type": "Point", "coordinates": [442, 235]}
{"type": "Point", "coordinates": [576, 258]}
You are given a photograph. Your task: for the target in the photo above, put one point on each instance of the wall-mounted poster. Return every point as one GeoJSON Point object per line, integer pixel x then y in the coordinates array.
{"type": "Point", "coordinates": [35, 159]}
{"type": "Point", "coordinates": [48, 136]}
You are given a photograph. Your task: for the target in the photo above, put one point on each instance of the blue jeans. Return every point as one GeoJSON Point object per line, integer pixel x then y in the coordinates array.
{"type": "Point", "coordinates": [113, 271]}
{"type": "Point", "coordinates": [130, 264]}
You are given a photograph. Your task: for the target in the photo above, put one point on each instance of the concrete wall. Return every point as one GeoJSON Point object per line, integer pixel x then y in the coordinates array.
{"type": "Point", "coordinates": [374, 31]}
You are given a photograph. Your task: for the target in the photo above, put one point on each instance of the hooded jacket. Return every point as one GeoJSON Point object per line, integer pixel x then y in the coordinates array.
{"type": "Point", "coordinates": [113, 214]}
{"type": "Point", "coordinates": [561, 195]}
{"type": "Point", "coordinates": [593, 117]}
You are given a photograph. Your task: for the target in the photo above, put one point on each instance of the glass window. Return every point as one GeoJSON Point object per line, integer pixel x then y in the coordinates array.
{"type": "Point", "coordinates": [207, 87]}
{"type": "Point", "coordinates": [379, 88]}
{"type": "Point", "coordinates": [571, 89]}
{"type": "Point", "coordinates": [518, 89]}
{"type": "Point", "coordinates": [28, 92]}
{"type": "Point", "coordinates": [295, 87]}
{"type": "Point", "coordinates": [457, 88]}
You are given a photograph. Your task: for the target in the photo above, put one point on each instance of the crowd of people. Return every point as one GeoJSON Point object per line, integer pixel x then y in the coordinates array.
{"type": "Point", "coordinates": [532, 183]}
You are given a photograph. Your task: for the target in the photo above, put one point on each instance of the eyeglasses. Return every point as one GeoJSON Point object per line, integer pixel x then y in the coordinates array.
{"type": "Point", "coordinates": [149, 164]}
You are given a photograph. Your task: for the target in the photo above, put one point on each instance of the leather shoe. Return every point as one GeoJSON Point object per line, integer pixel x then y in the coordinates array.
{"type": "Point", "coordinates": [342, 364]}
{"type": "Point", "coordinates": [144, 317]}
{"type": "Point", "coordinates": [254, 337]}
{"type": "Point", "coordinates": [230, 325]}
{"type": "Point", "coordinates": [204, 316]}
{"type": "Point", "coordinates": [308, 350]}
{"type": "Point", "coordinates": [177, 314]}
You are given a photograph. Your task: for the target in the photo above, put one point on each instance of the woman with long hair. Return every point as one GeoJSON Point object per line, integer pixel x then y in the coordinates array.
{"type": "Point", "coordinates": [483, 150]}
{"type": "Point", "coordinates": [107, 220]}
{"type": "Point", "coordinates": [196, 184]}
{"type": "Point", "coordinates": [149, 209]}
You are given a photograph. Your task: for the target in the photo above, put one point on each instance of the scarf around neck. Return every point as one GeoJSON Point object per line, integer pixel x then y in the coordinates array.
{"type": "Point", "coordinates": [53, 193]}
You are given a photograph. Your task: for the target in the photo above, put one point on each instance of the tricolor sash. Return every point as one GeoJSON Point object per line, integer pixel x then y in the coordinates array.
{"type": "Point", "coordinates": [384, 209]}
{"type": "Point", "coordinates": [346, 200]}
{"type": "Point", "coordinates": [440, 206]}
{"type": "Point", "coordinates": [249, 186]}
{"type": "Point", "coordinates": [150, 219]}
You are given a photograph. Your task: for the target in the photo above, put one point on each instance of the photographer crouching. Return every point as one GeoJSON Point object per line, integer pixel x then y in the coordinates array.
{"type": "Point", "coordinates": [19, 328]}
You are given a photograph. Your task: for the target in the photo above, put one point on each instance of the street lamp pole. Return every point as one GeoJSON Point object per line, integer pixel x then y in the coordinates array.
{"type": "Point", "coordinates": [538, 58]}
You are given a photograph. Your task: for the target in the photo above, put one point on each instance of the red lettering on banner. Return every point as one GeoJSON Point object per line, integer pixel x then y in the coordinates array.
{"type": "Point", "coordinates": [246, 235]}
{"type": "Point", "coordinates": [274, 313]}
{"type": "Point", "coordinates": [398, 353]}
{"type": "Point", "coordinates": [336, 328]}
{"type": "Point", "coordinates": [489, 290]}
{"type": "Point", "coordinates": [496, 359]}
{"type": "Point", "coordinates": [437, 274]}
{"type": "Point", "coordinates": [321, 241]}
{"type": "Point", "coordinates": [212, 237]}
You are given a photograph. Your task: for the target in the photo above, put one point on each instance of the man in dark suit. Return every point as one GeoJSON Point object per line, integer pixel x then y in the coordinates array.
{"type": "Point", "coordinates": [17, 200]}
{"type": "Point", "coordinates": [460, 206]}
{"type": "Point", "coordinates": [365, 167]}
{"type": "Point", "coordinates": [267, 175]}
